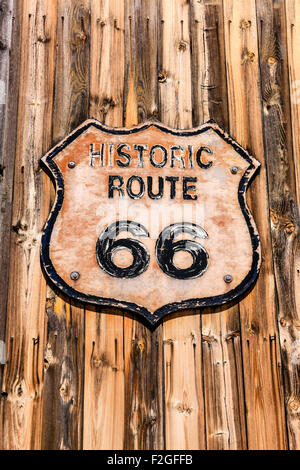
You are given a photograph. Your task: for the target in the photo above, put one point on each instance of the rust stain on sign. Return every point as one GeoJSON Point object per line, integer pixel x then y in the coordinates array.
{"type": "Point", "coordinates": [151, 219]}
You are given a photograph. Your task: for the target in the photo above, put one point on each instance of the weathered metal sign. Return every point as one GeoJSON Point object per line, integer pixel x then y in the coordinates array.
{"type": "Point", "coordinates": [151, 219]}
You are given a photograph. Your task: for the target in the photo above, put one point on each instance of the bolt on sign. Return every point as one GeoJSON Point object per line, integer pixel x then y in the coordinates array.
{"type": "Point", "coordinates": [151, 219]}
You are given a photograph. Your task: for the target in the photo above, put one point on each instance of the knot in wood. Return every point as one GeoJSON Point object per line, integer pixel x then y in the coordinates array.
{"type": "Point", "coordinates": [152, 420]}
{"type": "Point", "coordinates": [272, 61]}
{"type": "Point", "coordinates": [97, 362]}
{"type": "Point", "coordinates": [289, 227]}
{"type": "Point", "coordinates": [247, 56]}
{"type": "Point", "coordinates": [82, 36]}
{"type": "Point", "coordinates": [20, 227]}
{"type": "Point", "coordinates": [273, 217]}
{"type": "Point", "coordinates": [253, 328]}
{"type": "Point", "coordinates": [283, 321]}
{"type": "Point", "coordinates": [168, 341]}
{"type": "Point", "coordinates": [184, 409]}
{"type": "Point", "coordinates": [100, 361]}
{"type": "Point", "coordinates": [245, 24]}
{"type": "Point", "coordinates": [251, 56]}
{"type": "Point", "coordinates": [101, 22]}
{"type": "Point", "coordinates": [162, 77]}
{"type": "Point", "coordinates": [3, 45]}
{"type": "Point", "coordinates": [65, 391]}
{"type": "Point", "coordinates": [141, 346]}
{"type": "Point", "coordinates": [106, 104]}
{"type": "Point", "coordinates": [43, 39]}
{"type": "Point", "coordinates": [293, 403]}
{"type": "Point", "coordinates": [182, 46]}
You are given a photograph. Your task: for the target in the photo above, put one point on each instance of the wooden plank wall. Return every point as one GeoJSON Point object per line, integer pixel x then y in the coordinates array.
{"type": "Point", "coordinates": [81, 378]}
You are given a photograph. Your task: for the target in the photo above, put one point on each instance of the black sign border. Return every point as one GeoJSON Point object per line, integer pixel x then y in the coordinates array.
{"type": "Point", "coordinates": [151, 318]}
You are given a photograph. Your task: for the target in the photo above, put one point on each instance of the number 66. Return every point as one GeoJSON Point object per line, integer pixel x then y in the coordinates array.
{"type": "Point", "coordinates": [165, 249]}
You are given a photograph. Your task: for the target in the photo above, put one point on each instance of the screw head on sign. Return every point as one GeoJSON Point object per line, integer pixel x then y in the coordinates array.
{"type": "Point", "coordinates": [71, 164]}
{"type": "Point", "coordinates": [74, 275]}
{"type": "Point", "coordinates": [228, 278]}
{"type": "Point", "coordinates": [234, 170]}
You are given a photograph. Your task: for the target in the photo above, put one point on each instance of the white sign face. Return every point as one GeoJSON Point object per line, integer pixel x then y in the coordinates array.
{"type": "Point", "coordinates": [151, 219]}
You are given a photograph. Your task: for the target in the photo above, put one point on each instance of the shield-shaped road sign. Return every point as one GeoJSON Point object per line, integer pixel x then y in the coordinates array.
{"type": "Point", "coordinates": [151, 219]}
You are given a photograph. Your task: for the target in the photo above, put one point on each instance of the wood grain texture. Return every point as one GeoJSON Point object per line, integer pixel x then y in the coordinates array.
{"type": "Point", "coordinates": [209, 93]}
{"type": "Point", "coordinates": [63, 369]}
{"type": "Point", "coordinates": [221, 347]}
{"type": "Point", "coordinates": [22, 381]}
{"type": "Point", "coordinates": [9, 71]}
{"type": "Point", "coordinates": [260, 345]}
{"type": "Point", "coordinates": [184, 407]}
{"type": "Point", "coordinates": [107, 61]}
{"type": "Point", "coordinates": [64, 350]}
{"type": "Point", "coordinates": [71, 99]}
{"type": "Point", "coordinates": [184, 401]}
{"type": "Point", "coordinates": [104, 381]}
{"type": "Point", "coordinates": [142, 348]}
{"type": "Point", "coordinates": [288, 254]}
{"type": "Point", "coordinates": [175, 93]}
{"type": "Point", "coordinates": [293, 42]}
{"type": "Point", "coordinates": [223, 380]}
{"type": "Point", "coordinates": [143, 386]}
{"type": "Point", "coordinates": [104, 392]}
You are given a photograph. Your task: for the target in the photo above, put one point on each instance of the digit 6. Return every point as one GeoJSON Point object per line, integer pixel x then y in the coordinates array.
{"type": "Point", "coordinates": [107, 246]}
{"type": "Point", "coordinates": [166, 248]}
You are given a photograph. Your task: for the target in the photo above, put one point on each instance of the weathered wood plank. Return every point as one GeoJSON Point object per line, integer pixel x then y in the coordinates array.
{"type": "Point", "coordinates": [22, 381]}
{"type": "Point", "coordinates": [64, 352]}
{"type": "Point", "coordinates": [141, 36]}
{"type": "Point", "coordinates": [63, 369]}
{"type": "Point", "coordinates": [175, 92]}
{"type": "Point", "coordinates": [142, 348]}
{"type": "Point", "coordinates": [288, 260]}
{"type": "Point", "coordinates": [184, 408]}
{"type": "Point", "coordinates": [6, 25]}
{"type": "Point", "coordinates": [293, 41]}
{"type": "Point", "coordinates": [104, 359]}
{"type": "Point", "coordinates": [9, 71]}
{"type": "Point", "coordinates": [223, 380]}
{"type": "Point", "coordinates": [107, 61]}
{"type": "Point", "coordinates": [260, 346]}
{"type": "Point", "coordinates": [222, 356]}
{"type": "Point", "coordinates": [143, 387]}
{"type": "Point", "coordinates": [71, 99]}
{"type": "Point", "coordinates": [104, 382]}
{"type": "Point", "coordinates": [209, 94]}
